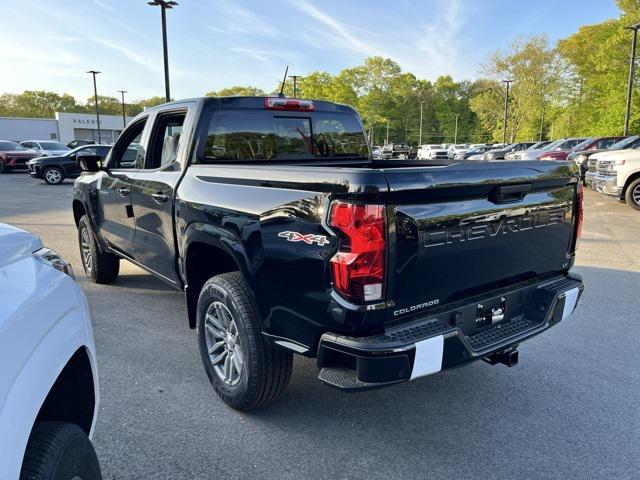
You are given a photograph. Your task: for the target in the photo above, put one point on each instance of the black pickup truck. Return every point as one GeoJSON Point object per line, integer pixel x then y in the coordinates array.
{"type": "Point", "coordinates": [287, 237]}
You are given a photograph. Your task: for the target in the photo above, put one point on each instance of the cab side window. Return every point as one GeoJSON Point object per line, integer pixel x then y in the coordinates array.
{"type": "Point", "coordinates": [129, 153]}
{"type": "Point", "coordinates": [165, 139]}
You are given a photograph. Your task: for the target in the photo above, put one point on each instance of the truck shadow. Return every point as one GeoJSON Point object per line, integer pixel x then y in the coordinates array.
{"type": "Point", "coordinates": [566, 379]}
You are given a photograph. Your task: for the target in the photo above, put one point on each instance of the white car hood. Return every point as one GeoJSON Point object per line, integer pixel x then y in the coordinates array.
{"type": "Point", "coordinates": [613, 154]}
{"type": "Point", "coordinates": [16, 244]}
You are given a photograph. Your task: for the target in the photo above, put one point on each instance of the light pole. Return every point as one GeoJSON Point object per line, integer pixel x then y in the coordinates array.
{"type": "Point", "coordinates": [506, 108]}
{"type": "Point", "coordinates": [295, 84]}
{"type": "Point", "coordinates": [632, 67]}
{"type": "Point", "coordinates": [95, 96]}
{"type": "Point", "coordinates": [164, 5]}
{"type": "Point", "coordinates": [387, 140]}
{"type": "Point", "coordinates": [455, 135]}
{"type": "Point", "coordinates": [124, 119]}
{"type": "Point", "coordinates": [420, 141]}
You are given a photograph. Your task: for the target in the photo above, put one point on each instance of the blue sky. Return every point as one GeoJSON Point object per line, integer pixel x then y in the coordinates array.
{"type": "Point", "coordinates": [48, 45]}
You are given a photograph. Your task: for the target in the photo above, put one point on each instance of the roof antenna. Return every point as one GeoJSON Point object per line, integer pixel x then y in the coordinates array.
{"type": "Point", "coordinates": [281, 94]}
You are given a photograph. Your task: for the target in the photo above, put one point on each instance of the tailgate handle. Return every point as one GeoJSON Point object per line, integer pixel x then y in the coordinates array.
{"type": "Point", "coordinates": [509, 193]}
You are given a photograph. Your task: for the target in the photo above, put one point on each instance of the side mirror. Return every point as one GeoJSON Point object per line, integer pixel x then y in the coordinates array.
{"type": "Point", "coordinates": [90, 163]}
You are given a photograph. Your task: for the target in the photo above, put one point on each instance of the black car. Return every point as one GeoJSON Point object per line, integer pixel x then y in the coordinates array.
{"type": "Point", "coordinates": [79, 143]}
{"type": "Point", "coordinates": [499, 153]}
{"type": "Point", "coordinates": [54, 170]}
{"type": "Point", "coordinates": [287, 237]}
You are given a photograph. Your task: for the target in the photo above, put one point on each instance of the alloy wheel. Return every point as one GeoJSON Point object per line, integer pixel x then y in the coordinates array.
{"type": "Point", "coordinates": [53, 175]}
{"type": "Point", "coordinates": [635, 195]}
{"type": "Point", "coordinates": [85, 247]}
{"type": "Point", "coordinates": [223, 344]}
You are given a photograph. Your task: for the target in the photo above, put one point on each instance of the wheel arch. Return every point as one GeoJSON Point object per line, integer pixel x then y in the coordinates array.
{"type": "Point", "coordinates": [630, 179]}
{"type": "Point", "coordinates": [203, 257]}
{"type": "Point", "coordinates": [72, 396]}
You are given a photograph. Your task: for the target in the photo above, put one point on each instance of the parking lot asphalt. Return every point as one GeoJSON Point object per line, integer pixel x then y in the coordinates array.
{"type": "Point", "coordinates": [569, 409]}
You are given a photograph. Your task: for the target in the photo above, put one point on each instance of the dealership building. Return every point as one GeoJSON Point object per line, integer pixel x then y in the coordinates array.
{"type": "Point", "coordinates": [64, 128]}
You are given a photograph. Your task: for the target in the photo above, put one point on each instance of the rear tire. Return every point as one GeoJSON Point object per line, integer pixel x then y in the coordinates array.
{"type": "Point", "coordinates": [59, 450]}
{"type": "Point", "coordinates": [3, 169]}
{"type": "Point", "coordinates": [53, 175]}
{"type": "Point", "coordinates": [632, 195]}
{"type": "Point", "coordinates": [101, 267]}
{"type": "Point", "coordinates": [228, 331]}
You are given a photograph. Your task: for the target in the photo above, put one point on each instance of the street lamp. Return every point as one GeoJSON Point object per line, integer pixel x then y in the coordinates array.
{"type": "Point", "coordinates": [295, 84]}
{"type": "Point", "coordinates": [164, 5]}
{"type": "Point", "coordinates": [632, 65]}
{"type": "Point", "coordinates": [455, 135]}
{"type": "Point", "coordinates": [124, 120]}
{"type": "Point", "coordinates": [95, 96]}
{"type": "Point", "coordinates": [506, 108]}
{"type": "Point", "coordinates": [420, 140]}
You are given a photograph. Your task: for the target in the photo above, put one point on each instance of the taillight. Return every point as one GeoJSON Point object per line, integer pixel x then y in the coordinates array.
{"type": "Point", "coordinates": [358, 267]}
{"type": "Point", "coordinates": [277, 103]}
{"type": "Point", "coordinates": [579, 213]}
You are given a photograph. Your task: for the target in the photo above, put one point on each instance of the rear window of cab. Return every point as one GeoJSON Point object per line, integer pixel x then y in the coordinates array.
{"type": "Point", "coordinates": [263, 135]}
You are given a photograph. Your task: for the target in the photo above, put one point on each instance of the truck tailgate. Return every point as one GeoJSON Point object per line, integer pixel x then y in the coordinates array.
{"type": "Point", "coordinates": [460, 230]}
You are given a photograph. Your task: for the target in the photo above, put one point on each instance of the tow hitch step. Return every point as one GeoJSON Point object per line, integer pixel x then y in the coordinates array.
{"type": "Point", "coordinates": [508, 357]}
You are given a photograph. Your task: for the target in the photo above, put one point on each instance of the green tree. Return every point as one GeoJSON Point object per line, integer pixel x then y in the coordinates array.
{"type": "Point", "coordinates": [36, 104]}
{"type": "Point", "coordinates": [237, 91]}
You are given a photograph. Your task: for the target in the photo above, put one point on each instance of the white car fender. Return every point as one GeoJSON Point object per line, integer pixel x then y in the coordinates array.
{"type": "Point", "coordinates": [26, 396]}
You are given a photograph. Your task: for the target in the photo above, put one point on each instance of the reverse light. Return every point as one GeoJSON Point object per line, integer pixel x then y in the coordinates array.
{"type": "Point", "coordinates": [358, 268]}
{"type": "Point", "coordinates": [277, 103]}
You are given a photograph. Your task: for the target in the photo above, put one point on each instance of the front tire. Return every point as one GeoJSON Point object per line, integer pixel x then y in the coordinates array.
{"type": "Point", "coordinates": [244, 370]}
{"type": "Point", "coordinates": [59, 450]}
{"type": "Point", "coordinates": [3, 168]}
{"type": "Point", "coordinates": [632, 195]}
{"type": "Point", "coordinates": [53, 175]}
{"type": "Point", "coordinates": [101, 267]}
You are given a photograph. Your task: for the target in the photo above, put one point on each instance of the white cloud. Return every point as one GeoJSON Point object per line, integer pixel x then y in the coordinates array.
{"type": "Point", "coordinates": [240, 21]}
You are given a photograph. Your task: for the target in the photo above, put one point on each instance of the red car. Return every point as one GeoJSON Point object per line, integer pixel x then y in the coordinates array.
{"type": "Point", "coordinates": [594, 143]}
{"type": "Point", "coordinates": [13, 155]}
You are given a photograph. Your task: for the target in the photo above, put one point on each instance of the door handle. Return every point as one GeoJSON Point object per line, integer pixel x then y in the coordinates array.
{"type": "Point", "coordinates": [123, 191]}
{"type": "Point", "coordinates": [159, 197]}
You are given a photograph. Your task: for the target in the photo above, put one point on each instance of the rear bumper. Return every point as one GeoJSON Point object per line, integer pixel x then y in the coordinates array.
{"type": "Point", "coordinates": [429, 345]}
{"type": "Point", "coordinates": [606, 184]}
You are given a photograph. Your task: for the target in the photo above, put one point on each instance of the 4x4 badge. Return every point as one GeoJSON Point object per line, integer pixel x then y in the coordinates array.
{"type": "Point", "coordinates": [308, 239]}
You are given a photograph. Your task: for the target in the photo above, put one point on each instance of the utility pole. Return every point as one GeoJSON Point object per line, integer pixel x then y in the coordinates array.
{"type": "Point", "coordinates": [95, 96]}
{"type": "Point", "coordinates": [124, 116]}
{"type": "Point", "coordinates": [387, 140]}
{"type": "Point", "coordinates": [295, 84]}
{"type": "Point", "coordinates": [164, 5]}
{"type": "Point", "coordinates": [455, 135]}
{"type": "Point", "coordinates": [632, 66]}
{"type": "Point", "coordinates": [420, 141]}
{"type": "Point", "coordinates": [506, 109]}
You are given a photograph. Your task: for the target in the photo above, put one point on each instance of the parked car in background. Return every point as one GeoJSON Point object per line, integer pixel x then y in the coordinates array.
{"type": "Point", "coordinates": [53, 170]}
{"type": "Point", "coordinates": [512, 155]}
{"type": "Point", "coordinates": [499, 153]}
{"type": "Point", "coordinates": [458, 148]}
{"type": "Point", "coordinates": [618, 174]}
{"type": "Point", "coordinates": [79, 143]}
{"type": "Point", "coordinates": [580, 156]}
{"type": "Point", "coordinates": [563, 153]}
{"type": "Point", "coordinates": [560, 144]}
{"type": "Point", "coordinates": [475, 152]}
{"type": "Point", "coordinates": [46, 148]}
{"type": "Point", "coordinates": [14, 156]}
{"type": "Point", "coordinates": [431, 152]}
{"type": "Point", "coordinates": [376, 153]}
{"type": "Point", "coordinates": [396, 150]}
{"type": "Point", "coordinates": [48, 378]}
